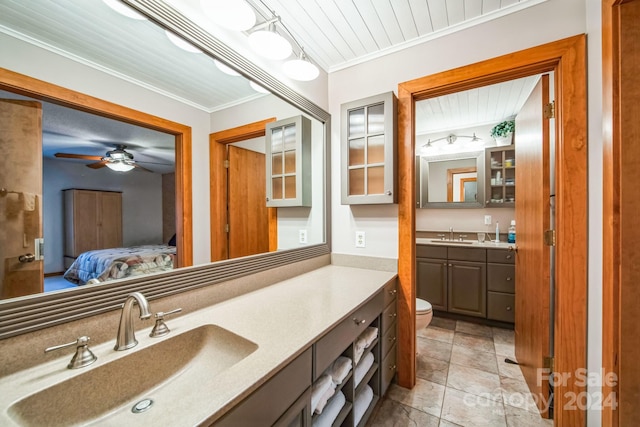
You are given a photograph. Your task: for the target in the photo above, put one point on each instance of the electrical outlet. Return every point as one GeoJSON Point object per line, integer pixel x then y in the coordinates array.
{"type": "Point", "coordinates": [360, 243]}
{"type": "Point", "coordinates": [302, 236]}
{"type": "Point", "coordinates": [487, 220]}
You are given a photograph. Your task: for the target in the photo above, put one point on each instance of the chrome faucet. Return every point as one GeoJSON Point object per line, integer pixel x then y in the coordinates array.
{"type": "Point", "coordinates": [451, 233]}
{"type": "Point", "coordinates": [126, 337]}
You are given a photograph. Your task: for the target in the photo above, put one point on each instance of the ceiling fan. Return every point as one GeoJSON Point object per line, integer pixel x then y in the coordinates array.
{"type": "Point", "coordinates": [117, 159]}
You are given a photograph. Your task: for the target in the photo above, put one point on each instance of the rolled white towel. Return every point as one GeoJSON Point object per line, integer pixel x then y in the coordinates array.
{"type": "Point", "coordinates": [369, 335]}
{"type": "Point", "coordinates": [361, 403]}
{"type": "Point", "coordinates": [324, 399]}
{"type": "Point", "coordinates": [362, 368]}
{"type": "Point", "coordinates": [331, 412]}
{"type": "Point", "coordinates": [319, 388]}
{"type": "Point", "coordinates": [339, 369]}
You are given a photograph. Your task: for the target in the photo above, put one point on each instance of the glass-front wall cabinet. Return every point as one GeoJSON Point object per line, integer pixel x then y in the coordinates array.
{"type": "Point", "coordinates": [289, 162]}
{"type": "Point", "coordinates": [368, 150]}
{"type": "Point", "coordinates": [501, 179]}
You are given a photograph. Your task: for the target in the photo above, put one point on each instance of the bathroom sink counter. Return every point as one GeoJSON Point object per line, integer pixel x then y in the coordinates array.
{"type": "Point", "coordinates": [283, 320]}
{"type": "Point", "coordinates": [465, 243]}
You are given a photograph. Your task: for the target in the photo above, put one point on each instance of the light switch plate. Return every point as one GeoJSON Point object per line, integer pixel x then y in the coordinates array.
{"type": "Point", "coordinates": [487, 220]}
{"type": "Point", "coordinates": [302, 236]}
{"type": "Point", "coordinates": [360, 242]}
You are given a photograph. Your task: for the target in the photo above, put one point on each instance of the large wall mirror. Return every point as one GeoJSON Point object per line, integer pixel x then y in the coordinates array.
{"type": "Point", "coordinates": [144, 57]}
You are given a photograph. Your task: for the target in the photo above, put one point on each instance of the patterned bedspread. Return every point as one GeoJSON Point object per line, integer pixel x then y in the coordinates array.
{"type": "Point", "coordinates": [118, 263]}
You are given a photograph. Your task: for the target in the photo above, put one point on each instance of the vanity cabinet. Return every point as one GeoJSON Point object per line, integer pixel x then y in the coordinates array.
{"type": "Point", "coordinates": [93, 220]}
{"type": "Point", "coordinates": [474, 282]}
{"type": "Point", "coordinates": [501, 289]}
{"type": "Point", "coordinates": [288, 158]}
{"type": "Point", "coordinates": [501, 176]}
{"type": "Point", "coordinates": [368, 150]}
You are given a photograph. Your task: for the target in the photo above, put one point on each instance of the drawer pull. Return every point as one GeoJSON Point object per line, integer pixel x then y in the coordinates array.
{"type": "Point", "coordinates": [508, 279]}
{"type": "Point", "coordinates": [359, 322]}
{"type": "Point", "coordinates": [393, 315]}
{"type": "Point", "coordinates": [508, 308]}
{"type": "Point", "coordinates": [392, 368]}
{"type": "Point", "coordinates": [393, 291]}
{"type": "Point", "coordinates": [392, 339]}
{"type": "Point", "coordinates": [508, 256]}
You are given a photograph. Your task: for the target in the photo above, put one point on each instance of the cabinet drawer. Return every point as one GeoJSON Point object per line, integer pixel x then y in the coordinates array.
{"type": "Point", "coordinates": [501, 306]}
{"type": "Point", "coordinates": [389, 317]}
{"type": "Point", "coordinates": [389, 339]}
{"type": "Point", "coordinates": [260, 408]}
{"type": "Point", "coordinates": [388, 370]}
{"type": "Point", "coordinates": [330, 346]}
{"type": "Point", "coordinates": [501, 255]}
{"type": "Point", "coordinates": [467, 254]}
{"type": "Point", "coordinates": [501, 278]}
{"type": "Point", "coordinates": [426, 251]}
{"type": "Point", "coordinates": [390, 292]}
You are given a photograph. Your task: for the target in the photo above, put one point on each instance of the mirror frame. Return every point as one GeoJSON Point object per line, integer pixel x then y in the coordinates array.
{"type": "Point", "coordinates": [30, 313]}
{"type": "Point", "coordinates": [422, 183]}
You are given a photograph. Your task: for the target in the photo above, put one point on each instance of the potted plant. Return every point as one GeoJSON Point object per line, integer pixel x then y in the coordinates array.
{"type": "Point", "coordinates": [503, 132]}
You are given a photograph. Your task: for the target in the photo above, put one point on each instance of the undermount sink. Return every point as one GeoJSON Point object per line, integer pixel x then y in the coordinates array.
{"type": "Point", "coordinates": [163, 372]}
{"type": "Point", "coordinates": [463, 242]}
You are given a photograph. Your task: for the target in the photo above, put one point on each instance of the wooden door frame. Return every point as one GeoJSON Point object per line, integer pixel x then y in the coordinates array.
{"type": "Point", "coordinates": [44, 91]}
{"type": "Point", "coordinates": [218, 186]}
{"type": "Point", "coordinates": [620, 256]}
{"type": "Point", "coordinates": [567, 59]}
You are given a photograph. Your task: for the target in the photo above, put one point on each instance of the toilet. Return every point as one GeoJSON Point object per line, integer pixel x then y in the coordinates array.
{"type": "Point", "coordinates": [424, 313]}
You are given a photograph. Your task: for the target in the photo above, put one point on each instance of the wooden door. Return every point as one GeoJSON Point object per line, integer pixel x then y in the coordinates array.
{"type": "Point", "coordinates": [20, 197]}
{"type": "Point", "coordinates": [532, 315]}
{"type": "Point", "coordinates": [247, 209]}
{"type": "Point", "coordinates": [110, 220]}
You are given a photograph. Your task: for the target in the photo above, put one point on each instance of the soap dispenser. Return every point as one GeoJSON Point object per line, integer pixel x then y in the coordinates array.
{"type": "Point", "coordinates": [511, 236]}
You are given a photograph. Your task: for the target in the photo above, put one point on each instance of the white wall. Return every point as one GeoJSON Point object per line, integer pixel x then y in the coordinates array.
{"type": "Point", "coordinates": [141, 204]}
{"type": "Point", "coordinates": [27, 59]}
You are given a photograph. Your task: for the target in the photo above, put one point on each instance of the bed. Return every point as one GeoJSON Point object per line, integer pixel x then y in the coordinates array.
{"type": "Point", "coordinates": [119, 263]}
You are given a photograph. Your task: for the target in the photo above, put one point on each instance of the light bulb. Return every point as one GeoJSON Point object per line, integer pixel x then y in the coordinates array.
{"type": "Point", "coordinates": [182, 44]}
{"type": "Point", "coordinates": [225, 68]}
{"type": "Point", "coordinates": [125, 10]}
{"type": "Point", "coordinates": [255, 86]}
{"type": "Point", "coordinates": [300, 69]}
{"type": "Point", "coordinates": [270, 44]}
{"type": "Point", "coordinates": [120, 166]}
{"type": "Point", "coordinates": [235, 15]}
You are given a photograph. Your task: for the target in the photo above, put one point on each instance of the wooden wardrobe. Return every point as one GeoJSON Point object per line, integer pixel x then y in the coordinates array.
{"type": "Point", "coordinates": [93, 220]}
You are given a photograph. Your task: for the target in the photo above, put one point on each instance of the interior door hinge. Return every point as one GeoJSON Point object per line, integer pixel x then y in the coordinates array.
{"type": "Point", "coordinates": [226, 228]}
{"type": "Point", "coordinates": [226, 164]}
{"type": "Point", "coordinates": [548, 363]}
{"type": "Point", "coordinates": [550, 110]}
{"type": "Point", "coordinates": [550, 237]}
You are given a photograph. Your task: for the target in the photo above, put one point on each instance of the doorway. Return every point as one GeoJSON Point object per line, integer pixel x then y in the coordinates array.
{"type": "Point", "coordinates": [566, 58]}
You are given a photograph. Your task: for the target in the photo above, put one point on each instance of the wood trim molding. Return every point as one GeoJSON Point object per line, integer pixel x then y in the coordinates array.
{"type": "Point", "coordinates": [620, 257]}
{"type": "Point", "coordinates": [218, 186]}
{"type": "Point", "coordinates": [567, 59]}
{"type": "Point", "coordinates": [38, 89]}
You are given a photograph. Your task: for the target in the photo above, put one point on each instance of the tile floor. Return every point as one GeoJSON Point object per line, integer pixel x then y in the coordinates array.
{"type": "Point", "coordinates": [462, 380]}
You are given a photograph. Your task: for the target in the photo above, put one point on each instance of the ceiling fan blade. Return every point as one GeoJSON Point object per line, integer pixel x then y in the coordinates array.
{"type": "Point", "coordinates": [98, 165]}
{"type": "Point", "coordinates": [78, 156]}
{"type": "Point", "coordinates": [141, 168]}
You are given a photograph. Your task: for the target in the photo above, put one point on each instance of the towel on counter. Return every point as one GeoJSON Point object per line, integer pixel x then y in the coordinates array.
{"type": "Point", "coordinates": [324, 399]}
{"type": "Point", "coordinates": [339, 369]}
{"type": "Point", "coordinates": [331, 412]}
{"type": "Point", "coordinates": [362, 402]}
{"type": "Point", "coordinates": [362, 368]}
{"type": "Point", "coordinates": [319, 388]}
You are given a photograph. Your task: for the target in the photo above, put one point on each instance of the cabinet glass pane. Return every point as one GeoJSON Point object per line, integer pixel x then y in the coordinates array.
{"type": "Point", "coordinates": [356, 122]}
{"type": "Point", "coordinates": [375, 149]}
{"type": "Point", "coordinates": [289, 137]}
{"type": "Point", "coordinates": [276, 188]}
{"type": "Point", "coordinates": [276, 139]}
{"type": "Point", "coordinates": [356, 182]}
{"type": "Point", "coordinates": [276, 164]}
{"type": "Point", "coordinates": [289, 162]}
{"type": "Point", "coordinates": [289, 187]}
{"type": "Point", "coordinates": [375, 180]}
{"type": "Point", "coordinates": [375, 119]}
{"type": "Point", "coordinates": [356, 152]}
{"type": "Point", "coordinates": [496, 159]}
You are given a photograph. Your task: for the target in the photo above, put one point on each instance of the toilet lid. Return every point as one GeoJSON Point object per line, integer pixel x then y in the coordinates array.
{"type": "Point", "coordinates": [422, 306]}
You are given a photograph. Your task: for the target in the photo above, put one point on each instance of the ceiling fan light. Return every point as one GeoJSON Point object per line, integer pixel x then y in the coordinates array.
{"type": "Point", "coordinates": [300, 69]}
{"type": "Point", "coordinates": [235, 15]}
{"type": "Point", "coordinates": [120, 166]}
{"type": "Point", "coordinates": [270, 44]}
{"type": "Point", "coordinates": [181, 43]}
{"type": "Point", "coordinates": [125, 10]}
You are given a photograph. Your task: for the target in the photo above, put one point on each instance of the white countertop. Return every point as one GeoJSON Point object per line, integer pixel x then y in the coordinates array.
{"type": "Point", "coordinates": [469, 243]}
{"type": "Point", "coordinates": [283, 320]}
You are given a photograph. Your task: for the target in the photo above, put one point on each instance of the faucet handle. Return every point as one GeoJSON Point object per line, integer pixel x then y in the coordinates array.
{"type": "Point", "coordinates": [161, 329]}
{"type": "Point", "coordinates": [83, 356]}
{"type": "Point", "coordinates": [441, 236]}
{"type": "Point", "coordinates": [461, 237]}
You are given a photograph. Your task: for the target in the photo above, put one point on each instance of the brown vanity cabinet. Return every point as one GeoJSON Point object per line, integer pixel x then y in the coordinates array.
{"type": "Point", "coordinates": [467, 281]}
{"type": "Point", "coordinates": [501, 280]}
